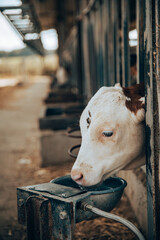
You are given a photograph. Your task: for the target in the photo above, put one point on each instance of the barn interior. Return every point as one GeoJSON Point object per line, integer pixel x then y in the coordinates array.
{"type": "Point", "coordinates": [66, 50]}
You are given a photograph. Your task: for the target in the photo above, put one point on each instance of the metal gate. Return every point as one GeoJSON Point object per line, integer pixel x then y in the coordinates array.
{"type": "Point", "coordinates": [104, 59]}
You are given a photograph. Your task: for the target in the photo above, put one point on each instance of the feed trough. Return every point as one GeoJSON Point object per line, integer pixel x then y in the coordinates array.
{"type": "Point", "coordinates": [54, 208]}
{"type": "Point", "coordinates": [66, 201]}
{"type": "Point", "coordinates": [104, 196]}
{"type": "Point", "coordinates": [50, 111]}
{"type": "Point", "coordinates": [58, 118]}
{"type": "Point", "coordinates": [57, 122]}
{"type": "Point", "coordinates": [62, 97]}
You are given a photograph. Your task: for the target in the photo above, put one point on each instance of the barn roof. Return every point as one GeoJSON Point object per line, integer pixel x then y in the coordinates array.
{"type": "Point", "coordinates": [30, 17]}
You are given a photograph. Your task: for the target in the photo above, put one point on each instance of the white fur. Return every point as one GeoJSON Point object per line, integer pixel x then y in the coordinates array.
{"type": "Point", "coordinates": [100, 156]}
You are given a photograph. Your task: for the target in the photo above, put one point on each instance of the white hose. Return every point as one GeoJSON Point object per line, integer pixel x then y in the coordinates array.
{"type": "Point", "coordinates": [116, 218]}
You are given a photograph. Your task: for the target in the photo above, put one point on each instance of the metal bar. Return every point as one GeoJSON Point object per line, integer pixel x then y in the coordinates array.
{"type": "Point", "coordinates": [104, 42]}
{"type": "Point", "coordinates": [63, 218]}
{"type": "Point", "coordinates": [61, 27]}
{"type": "Point", "coordinates": [34, 221]}
{"type": "Point", "coordinates": [45, 220]}
{"type": "Point", "coordinates": [157, 9]}
{"type": "Point", "coordinates": [100, 46]}
{"type": "Point", "coordinates": [79, 59]}
{"type": "Point", "coordinates": [125, 44]}
{"type": "Point", "coordinates": [112, 47]}
{"type": "Point", "coordinates": [156, 99]}
{"type": "Point", "coordinates": [152, 118]}
{"type": "Point", "coordinates": [115, 23]}
{"type": "Point", "coordinates": [87, 77]}
{"type": "Point", "coordinates": [103, 19]}
{"type": "Point", "coordinates": [140, 45]}
{"type": "Point", "coordinates": [93, 61]}
{"type": "Point", "coordinates": [117, 40]}
{"type": "Point", "coordinates": [108, 41]}
{"type": "Point", "coordinates": [96, 37]}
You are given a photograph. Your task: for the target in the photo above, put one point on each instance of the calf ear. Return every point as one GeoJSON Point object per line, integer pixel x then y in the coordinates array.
{"type": "Point", "coordinates": [139, 114]}
{"type": "Point", "coordinates": [135, 101]}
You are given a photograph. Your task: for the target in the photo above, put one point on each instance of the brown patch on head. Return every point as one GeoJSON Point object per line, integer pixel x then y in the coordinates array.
{"type": "Point", "coordinates": [101, 138]}
{"type": "Point", "coordinates": [134, 93]}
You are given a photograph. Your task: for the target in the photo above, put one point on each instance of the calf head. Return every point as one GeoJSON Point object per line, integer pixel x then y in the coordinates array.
{"type": "Point", "coordinates": [113, 134]}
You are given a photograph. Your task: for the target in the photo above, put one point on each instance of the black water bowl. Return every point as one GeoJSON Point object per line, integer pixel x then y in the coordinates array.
{"type": "Point", "coordinates": [104, 196]}
{"type": "Point", "coordinates": [109, 185]}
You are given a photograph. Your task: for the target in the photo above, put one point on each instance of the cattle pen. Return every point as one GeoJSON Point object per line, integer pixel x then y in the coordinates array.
{"type": "Point", "coordinates": [101, 43]}
{"type": "Point", "coordinates": [104, 41]}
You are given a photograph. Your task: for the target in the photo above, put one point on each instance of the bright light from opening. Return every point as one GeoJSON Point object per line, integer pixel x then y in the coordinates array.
{"type": "Point", "coordinates": [49, 39]}
{"type": "Point", "coordinates": [22, 21]}
{"type": "Point", "coordinates": [10, 3]}
{"type": "Point", "coordinates": [9, 39]}
{"type": "Point", "coordinates": [133, 35]}
{"type": "Point", "coordinates": [14, 17]}
{"type": "Point", "coordinates": [17, 11]}
{"type": "Point", "coordinates": [31, 36]}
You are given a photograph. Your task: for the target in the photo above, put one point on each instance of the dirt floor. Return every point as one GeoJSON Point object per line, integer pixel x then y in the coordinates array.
{"type": "Point", "coordinates": [20, 108]}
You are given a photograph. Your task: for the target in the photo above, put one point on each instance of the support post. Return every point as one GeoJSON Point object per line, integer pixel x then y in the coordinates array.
{"type": "Point", "coordinates": [106, 36]}
{"type": "Point", "coordinates": [151, 71]}
{"type": "Point", "coordinates": [79, 60]}
{"type": "Point", "coordinates": [63, 219]}
{"type": "Point", "coordinates": [125, 43]}
{"type": "Point", "coordinates": [37, 218]}
{"type": "Point", "coordinates": [140, 44]}
{"type": "Point", "coordinates": [115, 26]}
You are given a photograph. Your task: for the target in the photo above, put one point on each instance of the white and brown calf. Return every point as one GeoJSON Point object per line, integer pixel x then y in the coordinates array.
{"type": "Point", "coordinates": [113, 134]}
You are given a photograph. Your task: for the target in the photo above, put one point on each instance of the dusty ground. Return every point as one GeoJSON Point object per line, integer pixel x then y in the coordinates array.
{"type": "Point", "coordinates": [20, 160]}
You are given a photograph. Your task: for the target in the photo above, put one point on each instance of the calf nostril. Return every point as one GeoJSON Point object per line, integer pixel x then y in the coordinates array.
{"type": "Point", "coordinates": [76, 175]}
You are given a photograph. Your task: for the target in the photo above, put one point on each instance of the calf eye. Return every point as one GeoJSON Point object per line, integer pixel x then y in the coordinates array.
{"type": "Point", "coordinates": [107, 133]}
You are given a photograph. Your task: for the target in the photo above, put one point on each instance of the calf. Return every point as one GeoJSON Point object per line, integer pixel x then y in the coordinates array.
{"type": "Point", "coordinates": [113, 134]}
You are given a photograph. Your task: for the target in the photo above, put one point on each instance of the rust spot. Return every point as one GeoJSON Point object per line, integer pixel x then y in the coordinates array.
{"type": "Point", "coordinates": [134, 93]}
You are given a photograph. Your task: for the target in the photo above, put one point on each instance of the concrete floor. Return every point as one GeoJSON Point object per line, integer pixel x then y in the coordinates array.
{"type": "Point", "coordinates": [20, 159]}
{"type": "Point", "coordinates": [19, 141]}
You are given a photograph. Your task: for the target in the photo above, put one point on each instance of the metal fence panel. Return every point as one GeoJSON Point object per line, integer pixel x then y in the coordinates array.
{"type": "Point", "coordinates": [152, 122]}
{"type": "Point", "coordinates": [140, 44]}
{"type": "Point", "coordinates": [125, 43]}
